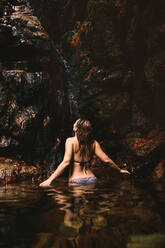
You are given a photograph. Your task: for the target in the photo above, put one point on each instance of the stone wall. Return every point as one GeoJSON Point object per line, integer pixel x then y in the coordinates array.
{"type": "Point", "coordinates": [115, 51]}
{"type": "Point", "coordinates": [32, 85]}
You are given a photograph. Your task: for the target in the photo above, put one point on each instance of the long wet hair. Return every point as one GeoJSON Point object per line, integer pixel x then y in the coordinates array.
{"type": "Point", "coordinates": [85, 137]}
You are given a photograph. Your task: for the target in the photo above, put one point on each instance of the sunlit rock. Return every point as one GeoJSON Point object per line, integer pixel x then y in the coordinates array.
{"type": "Point", "coordinates": [159, 171]}
{"type": "Point", "coordinates": [142, 146]}
{"type": "Point", "coordinates": [13, 171]}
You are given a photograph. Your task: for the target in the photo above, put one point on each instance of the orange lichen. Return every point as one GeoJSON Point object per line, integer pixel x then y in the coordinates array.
{"type": "Point", "coordinates": [81, 54]}
{"type": "Point", "coordinates": [76, 41]}
{"type": "Point", "coordinates": [143, 146]}
{"type": "Point", "coordinates": [159, 170]}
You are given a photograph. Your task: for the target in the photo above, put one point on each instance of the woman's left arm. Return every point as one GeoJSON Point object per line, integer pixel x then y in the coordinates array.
{"type": "Point", "coordinates": [62, 165]}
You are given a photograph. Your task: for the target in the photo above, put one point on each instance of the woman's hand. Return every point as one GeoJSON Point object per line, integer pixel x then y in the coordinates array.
{"type": "Point", "coordinates": [45, 183]}
{"type": "Point", "coordinates": [123, 171]}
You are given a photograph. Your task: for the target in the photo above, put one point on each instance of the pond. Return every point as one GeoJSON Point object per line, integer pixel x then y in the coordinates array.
{"type": "Point", "coordinates": [114, 213]}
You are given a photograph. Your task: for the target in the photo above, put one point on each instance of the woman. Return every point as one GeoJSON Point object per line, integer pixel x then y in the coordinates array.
{"type": "Point", "coordinates": [79, 151]}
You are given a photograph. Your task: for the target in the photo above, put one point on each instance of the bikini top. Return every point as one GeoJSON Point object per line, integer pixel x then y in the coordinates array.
{"type": "Point", "coordinates": [82, 162]}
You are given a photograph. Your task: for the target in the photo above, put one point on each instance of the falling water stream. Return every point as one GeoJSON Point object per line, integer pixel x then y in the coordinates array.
{"type": "Point", "coordinates": [72, 95]}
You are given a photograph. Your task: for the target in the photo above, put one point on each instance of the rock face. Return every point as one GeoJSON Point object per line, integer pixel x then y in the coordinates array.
{"type": "Point", "coordinates": [114, 53]}
{"type": "Point", "coordinates": [32, 85]}
{"type": "Point", "coordinates": [13, 170]}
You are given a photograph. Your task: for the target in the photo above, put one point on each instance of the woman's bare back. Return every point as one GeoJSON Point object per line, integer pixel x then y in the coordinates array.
{"type": "Point", "coordinates": [80, 166]}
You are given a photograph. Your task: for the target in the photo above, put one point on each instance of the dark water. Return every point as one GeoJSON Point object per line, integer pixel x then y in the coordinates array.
{"type": "Point", "coordinates": [114, 213]}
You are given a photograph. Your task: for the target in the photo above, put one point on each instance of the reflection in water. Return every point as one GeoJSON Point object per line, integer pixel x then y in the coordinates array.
{"type": "Point", "coordinates": [115, 215]}
{"type": "Point", "coordinates": [75, 208]}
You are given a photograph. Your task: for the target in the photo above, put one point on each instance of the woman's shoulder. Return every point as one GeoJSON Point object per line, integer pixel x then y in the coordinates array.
{"type": "Point", "coordinates": [95, 144]}
{"type": "Point", "coordinates": [70, 140]}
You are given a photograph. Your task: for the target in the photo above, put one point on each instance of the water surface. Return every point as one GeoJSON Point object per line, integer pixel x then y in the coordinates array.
{"type": "Point", "coordinates": [113, 213]}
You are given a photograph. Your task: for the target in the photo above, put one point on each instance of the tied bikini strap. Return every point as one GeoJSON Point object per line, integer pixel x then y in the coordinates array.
{"type": "Point", "coordinates": [82, 162]}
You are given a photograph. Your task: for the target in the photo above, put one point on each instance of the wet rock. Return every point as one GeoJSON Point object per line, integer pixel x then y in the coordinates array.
{"type": "Point", "coordinates": [43, 239]}
{"type": "Point", "coordinates": [145, 152]}
{"type": "Point", "coordinates": [8, 173]}
{"type": "Point", "coordinates": [141, 146]}
{"type": "Point", "coordinates": [149, 241]}
{"type": "Point", "coordinates": [32, 85]}
{"type": "Point", "coordinates": [13, 170]}
{"type": "Point", "coordinates": [19, 108]}
{"type": "Point", "coordinates": [159, 171]}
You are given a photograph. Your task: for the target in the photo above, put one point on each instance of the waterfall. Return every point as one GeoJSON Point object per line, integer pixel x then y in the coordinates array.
{"type": "Point", "coordinates": [72, 98]}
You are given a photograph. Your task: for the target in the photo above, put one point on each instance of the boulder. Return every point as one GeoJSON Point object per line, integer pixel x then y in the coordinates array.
{"type": "Point", "coordinates": [12, 170]}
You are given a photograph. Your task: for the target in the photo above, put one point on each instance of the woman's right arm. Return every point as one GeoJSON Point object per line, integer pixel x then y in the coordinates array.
{"type": "Point", "coordinates": [100, 154]}
{"type": "Point", "coordinates": [62, 165]}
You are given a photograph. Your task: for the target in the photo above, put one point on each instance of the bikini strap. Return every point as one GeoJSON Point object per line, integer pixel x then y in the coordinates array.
{"type": "Point", "coordinates": [82, 162]}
